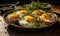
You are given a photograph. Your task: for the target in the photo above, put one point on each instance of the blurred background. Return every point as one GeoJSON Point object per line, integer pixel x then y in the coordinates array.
{"type": "Point", "coordinates": [53, 2]}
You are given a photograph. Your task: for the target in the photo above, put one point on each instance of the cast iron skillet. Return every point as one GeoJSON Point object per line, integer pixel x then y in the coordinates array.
{"type": "Point", "coordinates": [9, 23]}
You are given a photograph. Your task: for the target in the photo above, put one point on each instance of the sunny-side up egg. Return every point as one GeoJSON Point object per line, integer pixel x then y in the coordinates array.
{"type": "Point", "coordinates": [29, 18]}
{"type": "Point", "coordinates": [37, 12]}
{"type": "Point", "coordinates": [27, 21]}
{"type": "Point", "coordinates": [13, 16]}
{"type": "Point", "coordinates": [22, 12]}
{"type": "Point", "coordinates": [46, 17]}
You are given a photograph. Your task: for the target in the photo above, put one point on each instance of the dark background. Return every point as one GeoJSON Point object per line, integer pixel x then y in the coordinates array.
{"type": "Point", "coordinates": [54, 2]}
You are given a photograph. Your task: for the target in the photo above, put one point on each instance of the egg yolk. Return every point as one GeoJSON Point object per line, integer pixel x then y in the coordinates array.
{"type": "Point", "coordinates": [46, 16]}
{"type": "Point", "coordinates": [29, 18]}
{"type": "Point", "coordinates": [23, 11]}
{"type": "Point", "coordinates": [37, 12]}
{"type": "Point", "coordinates": [14, 16]}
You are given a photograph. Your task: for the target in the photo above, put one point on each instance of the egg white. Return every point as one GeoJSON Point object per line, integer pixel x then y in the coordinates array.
{"type": "Point", "coordinates": [25, 23]}
{"type": "Point", "coordinates": [20, 15]}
